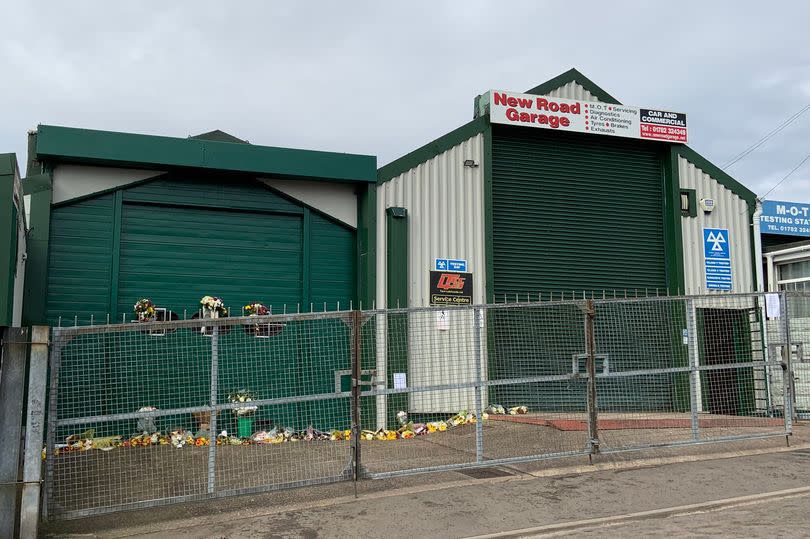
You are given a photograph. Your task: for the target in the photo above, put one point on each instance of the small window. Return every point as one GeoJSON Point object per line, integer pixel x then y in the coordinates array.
{"type": "Point", "coordinates": [688, 203]}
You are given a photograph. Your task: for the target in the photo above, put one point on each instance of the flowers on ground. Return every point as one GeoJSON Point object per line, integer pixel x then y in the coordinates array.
{"type": "Point", "coordinates": [179, 438]}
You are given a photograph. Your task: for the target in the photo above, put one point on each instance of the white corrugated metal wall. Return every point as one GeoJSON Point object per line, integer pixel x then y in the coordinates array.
{"type": "Point", "coordinates": [445, 203]}
{"type": "Point", "coordinates": [572, 90]}
{"type": "Point", "coordinates": [730, 212]}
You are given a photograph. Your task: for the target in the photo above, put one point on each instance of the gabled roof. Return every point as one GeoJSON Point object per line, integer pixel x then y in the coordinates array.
{"type": "Point", "coordinates": [220, 136]}
{"type": "Point", "coordinates": [572, 75]}
{"type": "Point", "coordinates": [445, 142]}
{"type": "Point", "coordinates": [88, 146]}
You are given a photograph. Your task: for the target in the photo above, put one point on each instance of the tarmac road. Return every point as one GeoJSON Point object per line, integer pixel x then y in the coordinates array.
{"type": "Point", "coordinates": [522, 499]}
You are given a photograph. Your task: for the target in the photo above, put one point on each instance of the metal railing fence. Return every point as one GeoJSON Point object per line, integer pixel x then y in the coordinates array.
{"type": "Point", "coordinates": [160, 412]}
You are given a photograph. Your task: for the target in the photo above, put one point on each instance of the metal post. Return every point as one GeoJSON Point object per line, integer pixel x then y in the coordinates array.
{"type": "Point", "coordinates": [357, 325]}
{"type": "Point", "coordinates": [787, 371]}
{"type": "Point", "coordinates": [479, 377]}
{"type": "Point", "coordinates": [590, 350]}
{"type": "Point", "coordinates": [212, 426]}
{"type": "Point", "coordinates": [11, 405]}
{"type": "Point", "coordinates": [34, 431]}
{"type": "Point", "coordinates": [694, 360]}
{"type": "Point", "coordinates": [55, 362]}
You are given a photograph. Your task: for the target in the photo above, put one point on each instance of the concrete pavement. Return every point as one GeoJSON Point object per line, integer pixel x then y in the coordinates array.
{"type": "Point", "coordinates": [504, 499]}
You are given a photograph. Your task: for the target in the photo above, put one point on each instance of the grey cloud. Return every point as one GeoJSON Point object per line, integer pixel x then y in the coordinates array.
{"type": "Point", "coordinates": [384, 78]}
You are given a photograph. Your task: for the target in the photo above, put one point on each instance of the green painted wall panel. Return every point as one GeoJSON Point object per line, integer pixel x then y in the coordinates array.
{"type": "Point", "coordinates": [79, 261]}
{"type": "Point", "coordinates": [333, 261]}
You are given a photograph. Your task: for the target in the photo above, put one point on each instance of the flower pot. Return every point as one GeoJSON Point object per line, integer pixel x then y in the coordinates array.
{"type": "Point", "coordinates": [244, 426]}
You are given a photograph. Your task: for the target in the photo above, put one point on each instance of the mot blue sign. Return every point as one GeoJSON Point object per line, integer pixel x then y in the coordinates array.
{"type": "Point", "coordinates": [789, 218]}
{"type": "Point", "coordinates": [717, 256]}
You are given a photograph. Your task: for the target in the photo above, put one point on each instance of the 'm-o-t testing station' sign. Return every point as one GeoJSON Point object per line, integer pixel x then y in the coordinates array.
{"type": "Point", "coordinates": [789, 218]}
{"type": "Point", "coordinates": [586, 117]}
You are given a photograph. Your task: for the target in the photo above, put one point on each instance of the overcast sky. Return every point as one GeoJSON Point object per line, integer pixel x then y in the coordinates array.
{"type": "Point", "coordinates": [382, 79]}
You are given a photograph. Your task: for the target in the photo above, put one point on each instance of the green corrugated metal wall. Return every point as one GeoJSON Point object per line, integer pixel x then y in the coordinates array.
{"type": "Point", "coordinates": [578, 213]}
{"type": "Point", "coordinates": [180, 240]}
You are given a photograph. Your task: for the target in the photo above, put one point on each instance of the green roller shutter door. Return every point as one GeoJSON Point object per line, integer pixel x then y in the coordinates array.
{"type": "Point", "coordinates": [574, 213]}
{"type": "Point", "coordinates": [179, 241]}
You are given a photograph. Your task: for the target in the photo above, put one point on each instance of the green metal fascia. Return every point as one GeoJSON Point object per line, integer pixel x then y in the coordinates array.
{"type": "Point", "coordinates": [432, 149]}
{"type": "Point", "coordinates": [367, 245]}
{"type": "Point", "coordinates": [36, 266]}
{"type": "Point", "coordinates": [673, 234]}
{"type": "Point", "coordinates": [718, 174]}
{"type": "Point", "coordinates": [8, 164]}
{"type": "Point", "coordinates": [572, 75]}
{"type": "Point", "coordinates": [67, 144]}
{"type": "Point", "coordinates": [306, 262]}
{"type": "Point", "coordinates": [8, 237]}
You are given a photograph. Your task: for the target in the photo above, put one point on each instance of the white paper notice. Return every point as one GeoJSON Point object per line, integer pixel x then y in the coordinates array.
{"type": "Point", "coordinates": [442, 320]}
{"type": "Point", "coordinates": [400, 380]}
{"type": "Point", "coordinates": [772, 305]}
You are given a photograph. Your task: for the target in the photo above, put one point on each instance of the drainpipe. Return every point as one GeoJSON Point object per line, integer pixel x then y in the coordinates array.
{"type": "Point", "coordinates": [759, 286]}
{"type": "Point", "coordinates": [760, 283]}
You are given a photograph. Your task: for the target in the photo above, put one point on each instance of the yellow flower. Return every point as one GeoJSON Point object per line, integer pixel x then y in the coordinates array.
{"type": "Point", "coordinates": [347, 434]}
{"type": "Point", "coordinates": [390, 435]}
{"type": "Point", "coordinates": [442, 426]}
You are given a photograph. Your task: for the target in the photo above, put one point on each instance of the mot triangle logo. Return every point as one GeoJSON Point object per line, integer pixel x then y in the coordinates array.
{"type": "Point", "coordinates": [716, 240]}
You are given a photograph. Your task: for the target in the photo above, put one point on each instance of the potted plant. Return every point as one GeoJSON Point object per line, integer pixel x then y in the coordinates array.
{"type": "Point", "coordinates": [244, 413]}
{"type": "Point", "coordinates": [260, 330]}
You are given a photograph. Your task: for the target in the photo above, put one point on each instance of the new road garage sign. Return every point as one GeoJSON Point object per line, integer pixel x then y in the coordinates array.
{"type": "Point", "coordinates": [586, 117]}
{"type": "Point", "coordinates": [717, 254]}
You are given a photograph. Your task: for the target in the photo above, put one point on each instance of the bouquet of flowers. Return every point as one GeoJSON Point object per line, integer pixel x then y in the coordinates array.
{"type": "Point", "coordinates": [213, 306]}
{"type": "Point", "coordinates": [256, 309]}
{"type": "Point", "coordinates": [239, 397]}
{"type": "Point", "coordinates": [145, 310]}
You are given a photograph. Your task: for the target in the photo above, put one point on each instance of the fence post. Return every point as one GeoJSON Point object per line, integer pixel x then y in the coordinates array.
{"type": "Point", "coordinates": [12, 379]}
{"type": "Point", "coordinates": [357, 325]}
{"type": "Point", "coordinates": [787, 371]}
{"type": "Point", "coordinates": [694, 361]}
{"type": "Point", "coordinates": [34, 432]}
{"type": "Point", "coordinates": [590, 350]}
{"type": "Point", "coordinates": [212, 425]}
{"type": "Point", "coordinates": [55, 364]}
{"type": "Point", "coordinates": [479, 416]}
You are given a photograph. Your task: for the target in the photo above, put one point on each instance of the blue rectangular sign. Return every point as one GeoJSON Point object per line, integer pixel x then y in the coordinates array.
{"type": "Point", "coordinates": [449, 264]}
{"type": "Point", "coordinates": [717, 256]}
{"type": "Point", "coordinates": [789, 218]}
{"type": "Point", "coordinates": [457, 265]}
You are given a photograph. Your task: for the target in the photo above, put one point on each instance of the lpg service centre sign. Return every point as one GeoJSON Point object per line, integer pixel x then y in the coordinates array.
{"type": "Point", "coordinates": [586, 117]}
{"type": "Point", "coordinates": [789, 218]}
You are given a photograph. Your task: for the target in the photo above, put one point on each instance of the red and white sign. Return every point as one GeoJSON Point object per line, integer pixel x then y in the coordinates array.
{"type": "Point", "coordinates": [586, 117]}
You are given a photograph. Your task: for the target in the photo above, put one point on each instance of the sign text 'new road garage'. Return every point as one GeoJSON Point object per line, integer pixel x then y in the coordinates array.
{"type": "Point", "coordinates": [586, 117]}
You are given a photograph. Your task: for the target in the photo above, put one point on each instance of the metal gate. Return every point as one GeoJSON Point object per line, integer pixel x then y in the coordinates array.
{"type": "Point", "coordinates": [148, 414]}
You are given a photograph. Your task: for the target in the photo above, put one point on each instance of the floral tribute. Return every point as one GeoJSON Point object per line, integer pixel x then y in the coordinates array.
{"type": "Point", "coordinates": [212, 305]}
{"type": "Point", "coordinates": [179, 438]}
{"type": "Point", "coordinates": [145, 310]}
{"type": "Point", "coordinates": [256, 309]}
{"type": "Point", "coordinates": [241, 397]}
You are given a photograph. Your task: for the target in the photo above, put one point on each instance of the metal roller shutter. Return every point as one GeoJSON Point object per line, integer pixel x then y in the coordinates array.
{"type": "Point", "coordinates": [576, 213]}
